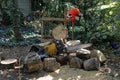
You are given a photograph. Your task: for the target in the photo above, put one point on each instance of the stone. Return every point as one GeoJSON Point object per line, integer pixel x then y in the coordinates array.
{"type": "Point", "coordinates": [75, 62]}
{"type": "Point", "coordinates": [50, 64]}
{"type": "Point", "coordinates": [91, 64]}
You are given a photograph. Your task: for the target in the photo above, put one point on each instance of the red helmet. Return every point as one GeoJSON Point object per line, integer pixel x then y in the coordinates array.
{"type": "Point", "coordinates": [73, 13]}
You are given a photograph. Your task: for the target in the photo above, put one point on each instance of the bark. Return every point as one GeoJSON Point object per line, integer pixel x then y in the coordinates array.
{"type": "Point", "coordinates": [17, 33]}
{"type": "Point", "coordinates": [16, 23]}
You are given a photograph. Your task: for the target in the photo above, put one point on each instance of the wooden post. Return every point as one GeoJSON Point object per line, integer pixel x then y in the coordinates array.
{"type": "Point", "coordinates": [65, 20]}
{"type": "Point", "coordinates": [72, 30]}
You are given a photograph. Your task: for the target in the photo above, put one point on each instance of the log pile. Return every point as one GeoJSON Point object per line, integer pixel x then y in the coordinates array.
{"type": "Point", "coordinates": [61, 52]}
{"type": "Point", "coordinates": [76, 56]}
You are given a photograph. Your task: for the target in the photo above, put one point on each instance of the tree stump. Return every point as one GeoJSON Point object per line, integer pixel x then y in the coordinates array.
{"type": "Point", "coordinates": [50, 64]}
{"type": "Point", "coordinates": [75, 62]}
{"type": "Point", "coordinates": [91, 64]}
{"type": "Point", "coordinates": [8, 63]}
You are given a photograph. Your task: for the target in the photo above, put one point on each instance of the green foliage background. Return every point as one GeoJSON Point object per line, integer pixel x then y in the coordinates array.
{"type": "Point", "coordinates": [100, 21]}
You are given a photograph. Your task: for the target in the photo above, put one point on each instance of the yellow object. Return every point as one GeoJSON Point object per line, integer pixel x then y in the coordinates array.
{"type": "Point", "coordinates": [51, 49]}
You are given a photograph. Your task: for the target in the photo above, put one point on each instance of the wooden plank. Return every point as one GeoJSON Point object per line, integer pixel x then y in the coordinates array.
{"type": "Point", "coordinates": [53, 19]}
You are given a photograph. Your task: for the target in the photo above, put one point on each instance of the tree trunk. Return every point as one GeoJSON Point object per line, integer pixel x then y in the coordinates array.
{"type": "Point", "coordinates": [16, 23]}
{"type": "Point", "coordinates": [17, 33]}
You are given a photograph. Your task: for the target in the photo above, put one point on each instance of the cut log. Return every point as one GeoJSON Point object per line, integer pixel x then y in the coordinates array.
{"type": "Point", "coordinates": [50, 64]}
{"type": "Point", "coordinates": [62, 59]}
{"type": "Point", "coordinates": [72, 54]}
{"type": "Point", "coordinates": [99, 55]}
{"type": "Point", "coordinates": [39, 47]}
{"type": "Point", "coordinates": [36, 48]}
{"type": "Point", "coordinates": [75, 62]}
{"type": "Point", "coordinates": [83, 54]}
{"type": "Point", "coordinates": [83, 51]}
{"type": "Point", "coordinates": [32, 56]}
{"type": "Point", "coordinates": [33, 63]}
{"type": "Point", "coordinates": [76, 47]}
{"type": "Point", "coordinates": [73, 42]}
{"type": "Point", "coordinates": [60, 32]}
{"type": "Point", "coordinates": [91, 64]}
{"type": "Point", "coordinates": [34, 66]}
{"type": "Point", "coordinates": [8, 63]}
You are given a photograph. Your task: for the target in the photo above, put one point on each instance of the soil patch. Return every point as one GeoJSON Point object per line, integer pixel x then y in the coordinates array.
{"type": "Point", "coordinates": [64, 73]}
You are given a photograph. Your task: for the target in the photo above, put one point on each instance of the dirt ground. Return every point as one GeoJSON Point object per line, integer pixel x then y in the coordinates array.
{"type": "Point", "coordinates": [64, 73]}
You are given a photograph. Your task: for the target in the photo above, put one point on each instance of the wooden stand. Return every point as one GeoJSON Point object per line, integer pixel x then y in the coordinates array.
{"type": "Point", "coordinates": [72, 30]}
{"type": "Point", "coordinates": [54, 19]}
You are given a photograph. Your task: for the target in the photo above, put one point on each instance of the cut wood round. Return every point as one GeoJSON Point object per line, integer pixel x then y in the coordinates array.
{"type": "Point", "coordinates": [98, 54]}
{"type": "Point", "coordinates": [8, 61]}
{"type": "Point", "coordinates": [50, 64]}
{"type": "Point", "coordinates": [34, 66]}
{"type": "Point", "coordinates": [62, 59]}
{"type": "Point", "coordinates": [60, 32]}
{"type": "Point", "coordinates": [83, 54]}
{"type": "Point", "coordinates": [91, 64]}
{"type": "Point", "coordinates": [33, 62]}
{"type": "Point", "coordinates": [75, 62]}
